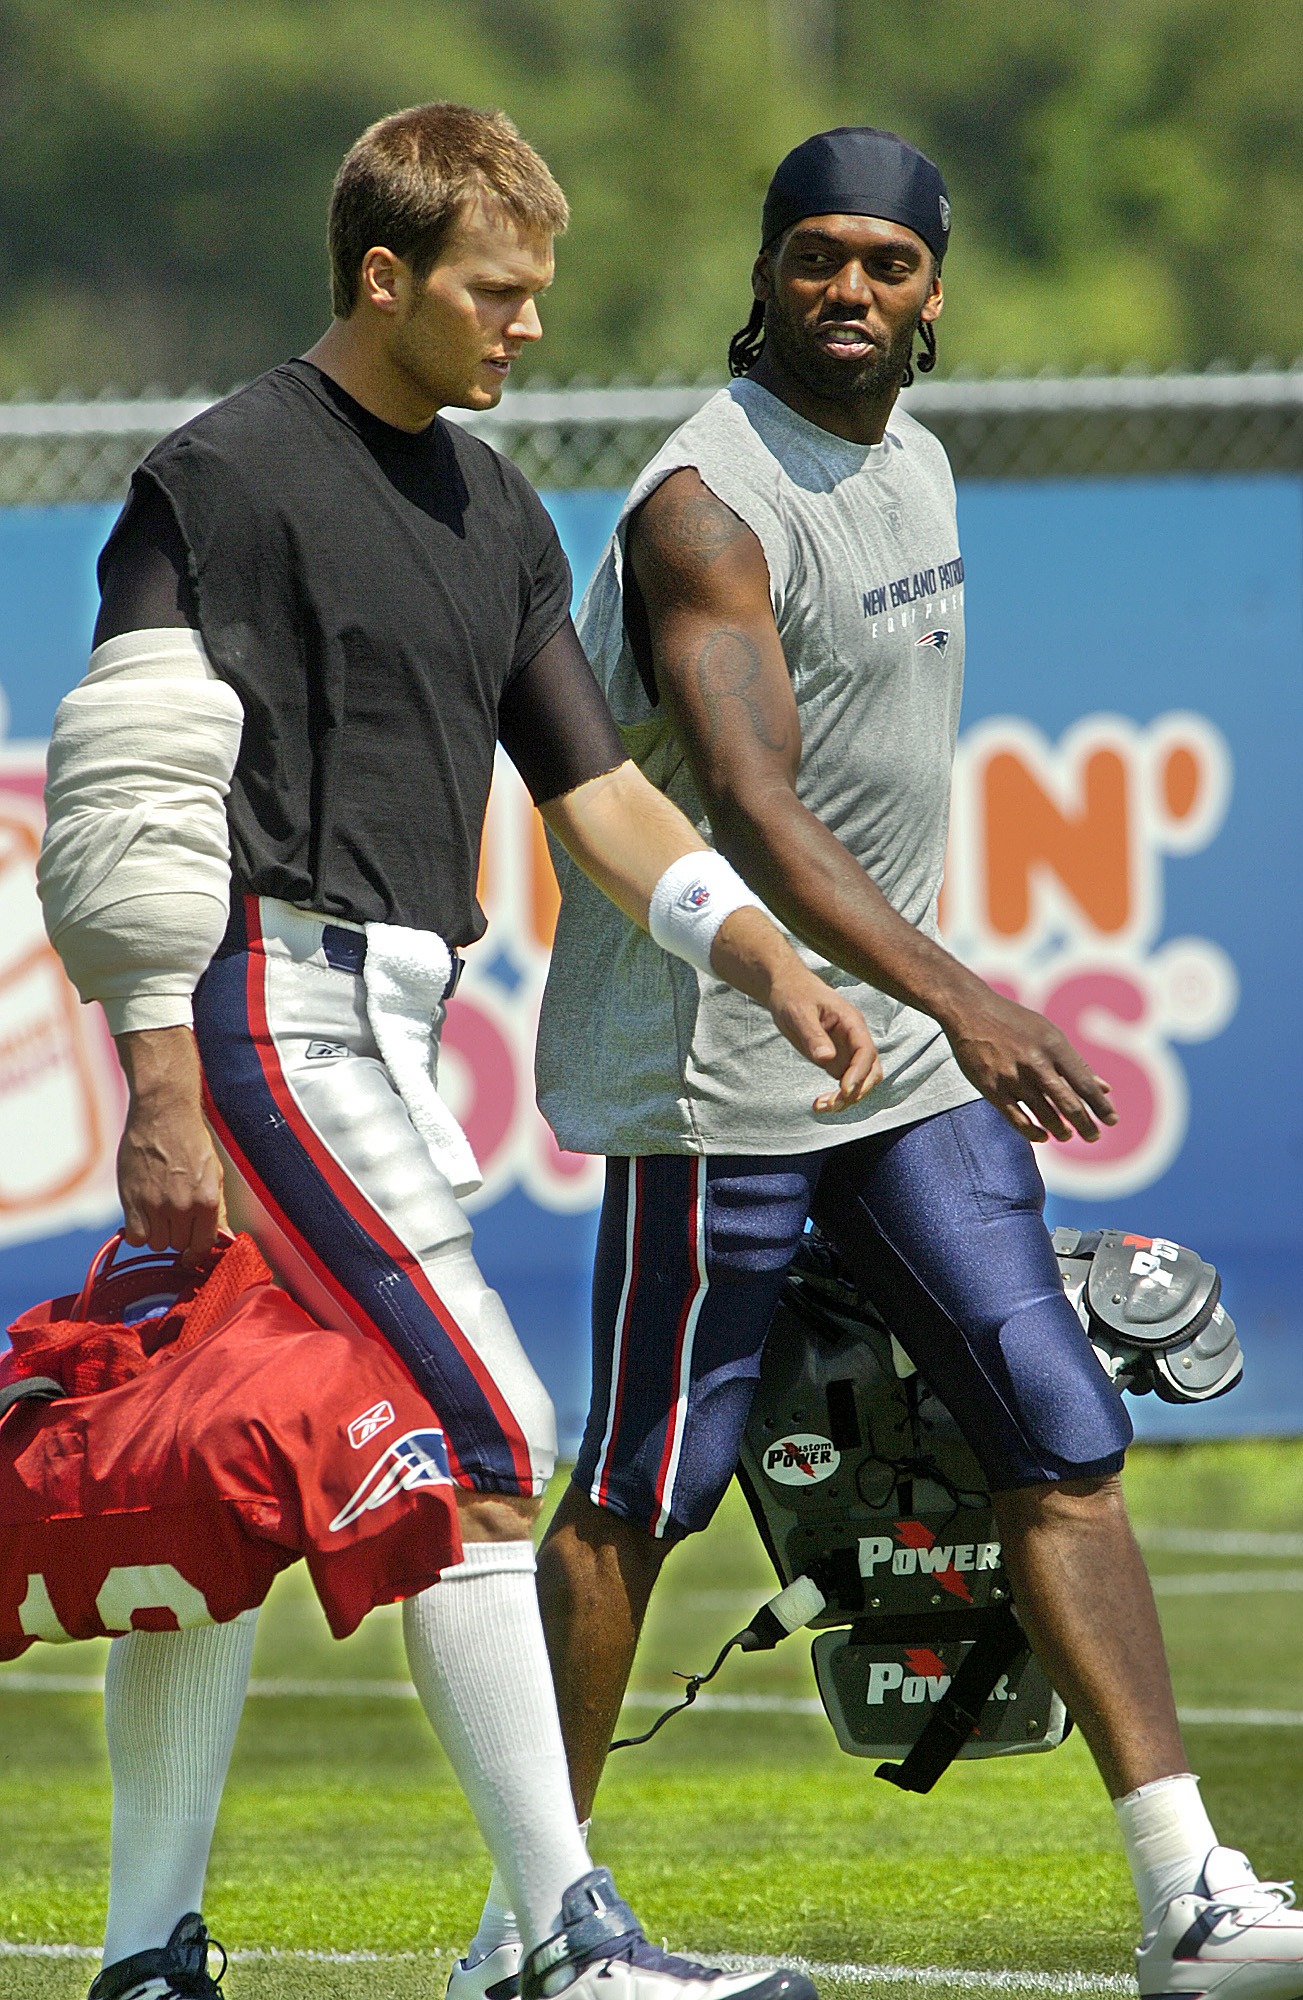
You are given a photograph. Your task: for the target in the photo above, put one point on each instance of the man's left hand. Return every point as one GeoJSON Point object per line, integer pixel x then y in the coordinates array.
{"type": "Point", "coordinates": [1025, 1066]}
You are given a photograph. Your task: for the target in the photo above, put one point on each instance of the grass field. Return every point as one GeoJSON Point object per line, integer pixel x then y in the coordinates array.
{"type": "Point", "coordinates": [736, 1831]}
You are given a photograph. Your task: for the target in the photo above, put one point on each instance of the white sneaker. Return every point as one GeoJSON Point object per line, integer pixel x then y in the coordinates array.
{"type": "Point", "coordinates": [496, 1976]}
{"type": "Point", "coordinates": [1232, 1936]}
{"type": "Point", "coordinates": [602, 1941]}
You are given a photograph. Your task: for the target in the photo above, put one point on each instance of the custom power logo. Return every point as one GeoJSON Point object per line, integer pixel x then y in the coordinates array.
{"type": "Point", "coordinates": [923, 1675]}
{"type": "Point", "coordinates": [803, 1459]}
{"type": "Point", "coordinates": [919, 1676]}
{"type": "Point", "coordinates": [1055, 894]}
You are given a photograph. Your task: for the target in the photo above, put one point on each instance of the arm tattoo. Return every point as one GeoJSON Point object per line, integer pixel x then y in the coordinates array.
{"type": "Point", "coordinates": [727, 667]}
{"type": "Point", "coordinates": [697, 530]}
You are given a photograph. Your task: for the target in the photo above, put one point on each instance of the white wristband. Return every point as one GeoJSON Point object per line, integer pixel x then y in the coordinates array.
{"type": "Point", "coordinates": [690, 902]}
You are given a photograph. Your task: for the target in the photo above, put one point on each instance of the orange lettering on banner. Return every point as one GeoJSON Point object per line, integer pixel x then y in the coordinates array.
{"type": "Point", "coordinates": [1182, 781]}
{"type": "Point", "coordinates": [1088, 850]}
{"type": "Point", "coordinates": [487, 1071]}
{"type": "Point", "coordinates": [545, 896]}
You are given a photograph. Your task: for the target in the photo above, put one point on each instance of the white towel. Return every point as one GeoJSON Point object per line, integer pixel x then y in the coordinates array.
{"type": "Point", "coordinates": [405, 976]}
{"type": "Point", "coordinates": [135, 873]}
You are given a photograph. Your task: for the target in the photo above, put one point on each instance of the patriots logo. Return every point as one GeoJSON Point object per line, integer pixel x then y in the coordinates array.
{"type": "Point", "coordinates": [420, 1458]}
{"type": "Point", "coordinates": [938, 638]}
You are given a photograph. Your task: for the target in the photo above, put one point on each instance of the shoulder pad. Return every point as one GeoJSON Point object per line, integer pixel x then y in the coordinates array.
{"type": "Point", "coordinates": [1153, 1313]}
{"type": "Point", "coordinates": [1147, 1288]}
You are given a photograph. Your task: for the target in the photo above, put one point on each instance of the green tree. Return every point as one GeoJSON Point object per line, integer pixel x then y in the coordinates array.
{"type": "Point", "coordinates": [1125, 177]}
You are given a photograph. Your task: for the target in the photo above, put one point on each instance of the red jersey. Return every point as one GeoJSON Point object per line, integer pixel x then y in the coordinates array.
{"type": "Point", "coordinates": [173, 1495]}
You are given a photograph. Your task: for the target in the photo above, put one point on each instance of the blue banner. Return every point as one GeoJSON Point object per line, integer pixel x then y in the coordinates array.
{"type": "Point", "coordinates": [1124, 854]}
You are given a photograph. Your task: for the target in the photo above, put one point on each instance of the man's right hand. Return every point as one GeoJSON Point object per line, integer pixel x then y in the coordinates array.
{"type": "Point", "coordinates": [828, 1028]}
{"type": "Point", "coordinates": [169, 1175]}
{"type": "Point", "coordinates": [1025, 1066]}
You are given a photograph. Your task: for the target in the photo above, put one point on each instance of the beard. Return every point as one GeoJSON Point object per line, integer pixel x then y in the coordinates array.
{"type": "Point", "coordinates": [821, 374]}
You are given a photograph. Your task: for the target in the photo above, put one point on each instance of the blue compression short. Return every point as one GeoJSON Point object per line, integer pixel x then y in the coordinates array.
{"type": "Point", "coordinates": [942, 1219]}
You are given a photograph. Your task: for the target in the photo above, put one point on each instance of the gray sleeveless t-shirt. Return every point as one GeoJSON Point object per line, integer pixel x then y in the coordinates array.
{"type": "Point", "coordinates": [637, 1051]}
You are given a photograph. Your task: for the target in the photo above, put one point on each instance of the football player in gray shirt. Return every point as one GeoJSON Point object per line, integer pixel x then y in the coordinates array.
{"type": "Point", "coordinates": [778, 625]}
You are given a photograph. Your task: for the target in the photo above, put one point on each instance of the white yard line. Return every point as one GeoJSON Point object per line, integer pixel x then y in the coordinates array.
{"type": "Point", "coordinates": [1220, 1542]}
{"type": "Point", "coordinates": [336, 1690]}
{"type": "Point", "coordinates": [734, 1704]}
{"type": "Point", "coordinates": [728, 1704]}
{"type": "Point", "coordinates": [956, 1977]}
{"type": "Point", "coordinates": [1244, 1718]}
{"type": "Point", "coordinates": [846, 1973]}
{"type": "Point", "coordinates": [1227, 1583]}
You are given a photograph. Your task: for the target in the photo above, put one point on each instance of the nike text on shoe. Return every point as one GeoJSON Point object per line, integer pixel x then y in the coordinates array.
{"type": "Point", "coordinates": [177, 1970]}
{"type": "Point", "coordinates": [1232, 1937]}
{"type": "Point", "coordinates": [496, 1976]}
{"type": "Point", "coordinates": [601, 1953]}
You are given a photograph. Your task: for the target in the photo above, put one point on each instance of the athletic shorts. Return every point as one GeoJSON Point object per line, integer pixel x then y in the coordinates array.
{"type": "Point", "coordinates": [941, 1220]}
{"type": "Point", "coordinates": [327, 1172]}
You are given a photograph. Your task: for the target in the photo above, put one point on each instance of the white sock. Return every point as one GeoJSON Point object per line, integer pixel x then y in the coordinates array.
{"type": "Point", "coordinates": [1168, 1837]}
{"type": "Point", "coordinates": [172, 1704]}
{"type": "Point", "coordinates": [497, 1923]}
{"type": "Point", "coordinates": [477, 1658]}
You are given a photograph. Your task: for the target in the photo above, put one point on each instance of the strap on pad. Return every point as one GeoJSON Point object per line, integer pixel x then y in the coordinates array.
{"type": "Point", "coordinates": [959, 1710]}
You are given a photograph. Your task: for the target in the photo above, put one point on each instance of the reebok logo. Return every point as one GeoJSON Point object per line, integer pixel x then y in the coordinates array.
{"type": "Point", "coordinates": [419, 1458]}
{"type": "Point", "coordinates": [370, 1424]}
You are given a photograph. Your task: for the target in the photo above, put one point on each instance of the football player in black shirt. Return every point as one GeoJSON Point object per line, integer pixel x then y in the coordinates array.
{"type": "Point", "coordinates": [321, 608]}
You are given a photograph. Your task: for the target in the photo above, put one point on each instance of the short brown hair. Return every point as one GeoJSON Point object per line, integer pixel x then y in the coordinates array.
{"type": "Point", "coordinates": [404, 183]}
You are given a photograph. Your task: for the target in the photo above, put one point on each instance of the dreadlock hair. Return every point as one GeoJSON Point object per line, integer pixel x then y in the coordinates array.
{"type": "Point", "coordinates": [747, 345]}
{"type": "Point", "coordinates": [927, 360]}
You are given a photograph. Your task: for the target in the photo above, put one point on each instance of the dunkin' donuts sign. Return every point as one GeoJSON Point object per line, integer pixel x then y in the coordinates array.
{"type": "Point", "coordinates": [62, 1097]}
{"type": "Point", "coordinates": [1126, 824]}
{"type": "Point", "coordinates": [61, 1092]}
{"type": "Point", "coordinates": [1055, 893]}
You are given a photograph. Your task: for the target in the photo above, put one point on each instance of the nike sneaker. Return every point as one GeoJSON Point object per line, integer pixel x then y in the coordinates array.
{"type": "Point", "coordinates": [1233, 1937]}
{"type": "Point", "coordinates": [496, 1976]}
{"type": "Point", "coordinates": [601, 1953]}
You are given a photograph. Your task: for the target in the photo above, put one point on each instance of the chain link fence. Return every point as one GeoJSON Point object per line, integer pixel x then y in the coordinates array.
{"type": "Point", "coordinates": [1039, 428]}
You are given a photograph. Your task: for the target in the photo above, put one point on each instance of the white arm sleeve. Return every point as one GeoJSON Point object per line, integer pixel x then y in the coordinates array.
{"type": "Point", "coordinates": [135, 871]}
